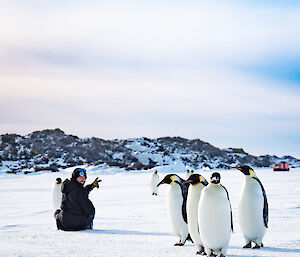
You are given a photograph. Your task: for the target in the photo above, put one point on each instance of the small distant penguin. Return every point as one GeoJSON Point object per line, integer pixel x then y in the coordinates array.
{"type": "Point", "coordinates": [215, 217]}
{"type": "Point", "coordinates": [197, 183]}
{"type": "Point", "coordinates": [177, 197]}
{"type": "Point", "coordinates": [188, 173]}
{"type": "Point", "coordinates": [153, 182]}
{"type": "Point", "coordinates": [253, 209]}
{"type": "Point", "coordinates": [56, 193]}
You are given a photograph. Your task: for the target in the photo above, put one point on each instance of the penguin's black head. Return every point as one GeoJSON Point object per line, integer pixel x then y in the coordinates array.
{"type": "Point", "coordinates": [58, 181]}
{"type": "Point", "coordinates": [245, 169]}
{"type": "Point", "coordinates": [155, 172]}
{"type": "Point", "coordinates": [168, 179]}
{"type": "Point", "coordinates": [215, 178]}
{"type": "Point", "coordinates": [195, 179]}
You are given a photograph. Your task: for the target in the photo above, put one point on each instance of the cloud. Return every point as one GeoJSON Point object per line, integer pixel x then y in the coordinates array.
{"type": "Point", "coordinates": [227, 73]}
{"type": "Point", "coordinates": [157, 31]}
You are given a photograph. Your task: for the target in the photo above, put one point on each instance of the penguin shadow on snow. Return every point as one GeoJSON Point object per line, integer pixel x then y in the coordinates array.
{"type": "Point", "coordinates": [264, 249]}
{"type": "Point", "coordinates": [124, 232]}
{"type": "Point", "coordinates": [7, 227]}
{"type": "Point", "coordinates": [281, 250]}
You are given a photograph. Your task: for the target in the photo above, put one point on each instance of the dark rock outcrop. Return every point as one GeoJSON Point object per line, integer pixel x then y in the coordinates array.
{"type": "Point", "coordinates": [53, 149]}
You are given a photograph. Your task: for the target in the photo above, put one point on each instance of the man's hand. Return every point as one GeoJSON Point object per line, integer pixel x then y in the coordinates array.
{"type": "Point", "coordinates": [96, 182]}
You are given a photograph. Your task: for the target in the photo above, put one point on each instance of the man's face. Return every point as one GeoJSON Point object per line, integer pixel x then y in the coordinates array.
{"type": "Point", "coordinates": [81, 179]}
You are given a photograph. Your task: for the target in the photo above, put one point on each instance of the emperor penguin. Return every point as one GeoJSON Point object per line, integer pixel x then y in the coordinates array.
{"type": "Point", "coordinates": [177, 196]}
{"type": "Point", "coordinates": [153, 182]}
{"type": "Point", "coordinates": [215, 217]}
{"type": "Point", "coordinates": [56, 193]}
{"type": "Point", "coordinates": [188, 173]}
{"type": "Point", "coordinates": [253, 208]}
{"type": "Point", "coordinates": [197, 183]}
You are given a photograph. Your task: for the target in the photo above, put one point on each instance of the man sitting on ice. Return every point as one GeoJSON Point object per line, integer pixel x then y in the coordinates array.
{"type": "Point", "coordinates": [77, 211]}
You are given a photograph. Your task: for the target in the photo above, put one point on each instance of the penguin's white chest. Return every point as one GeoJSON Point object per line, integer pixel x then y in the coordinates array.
{"type": "Point", "coordinates": [153, 183]}
{"type": "Point", "coordinates": [56, 196]}
{"type": "Point", "coordinates": [214, 217]}
{"type": "Point", "coordinates": [192, 212]}
{"type": "Point", "coordinates": [175, 201]}
{"type": "Point", "coordinates": [251, 206]}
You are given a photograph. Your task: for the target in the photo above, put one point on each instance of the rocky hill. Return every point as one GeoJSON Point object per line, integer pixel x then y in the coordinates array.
{"type": "Point", "coordinates": [54, 150]}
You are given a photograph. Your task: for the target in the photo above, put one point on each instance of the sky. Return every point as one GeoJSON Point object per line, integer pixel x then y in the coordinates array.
{"type": "Point", "coordinates": [225, 72]}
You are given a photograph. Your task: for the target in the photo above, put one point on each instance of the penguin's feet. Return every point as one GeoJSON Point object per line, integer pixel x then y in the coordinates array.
{"type": "Point", "coordinates": [201, 252]}
{"type": "Point", "coordinates": [179, 244]}
{"type": "Point", "coordinates": [247, 245]}
{"type": "Point", "coordinates": [256, 246]}
{"type": "Point", "coordinates": [212, 255]}
{"type": "Point", "coordinates": [222, 255]}
{"type": "Point", "coordinates": [189, 238]}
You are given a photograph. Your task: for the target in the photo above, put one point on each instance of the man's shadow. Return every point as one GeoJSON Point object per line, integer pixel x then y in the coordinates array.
{"type": "Point", "coordinates": [125, 232]}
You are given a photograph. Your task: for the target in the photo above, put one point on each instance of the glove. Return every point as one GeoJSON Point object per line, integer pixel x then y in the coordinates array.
{"type": "Point", "coordinates": [96, 183]}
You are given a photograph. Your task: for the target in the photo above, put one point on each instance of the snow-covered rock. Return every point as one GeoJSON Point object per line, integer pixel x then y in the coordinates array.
{"type": "Point", "coordinates": [53, 150]}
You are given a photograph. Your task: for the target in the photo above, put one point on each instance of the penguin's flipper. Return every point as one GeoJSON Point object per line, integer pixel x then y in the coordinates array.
{"type": "Point", "coordinates": [184, 213]}
{"type": "Point", "coordinates": [266, 209]}
{"type": "Point", "coordinates": [230, 207]}
{"type": "Point", "coordinates": [184, 192]}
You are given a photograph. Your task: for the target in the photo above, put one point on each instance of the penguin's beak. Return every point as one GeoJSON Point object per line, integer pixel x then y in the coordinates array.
{"type": "Point", "coordinates": [161, 182]}
{"type": "Point", "coordinates": [238, 168]}
{"type": "Point", "coordinates": [166, 180]}
{"type": "Point", "coordinates": [188, 181]}
{"type": "Point", "coordinates": [215, 180]}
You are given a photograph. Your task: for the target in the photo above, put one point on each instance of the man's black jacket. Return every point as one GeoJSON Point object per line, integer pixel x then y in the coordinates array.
{"type": "Point", "coordinates": [76, 206]}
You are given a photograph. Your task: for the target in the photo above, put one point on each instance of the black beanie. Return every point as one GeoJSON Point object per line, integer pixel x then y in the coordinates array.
{"type": "Point", "coordinates": [78, 172]}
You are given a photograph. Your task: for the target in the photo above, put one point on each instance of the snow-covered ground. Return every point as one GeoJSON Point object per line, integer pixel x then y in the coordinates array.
{"type": "Point", "coordinates": [130, 221]}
